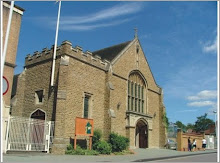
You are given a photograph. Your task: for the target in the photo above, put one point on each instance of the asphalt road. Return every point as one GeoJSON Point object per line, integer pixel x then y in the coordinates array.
{"type": "Point", "coordinates": [212, 157]}
{"type": "Point", "coordinates": [141, 155]}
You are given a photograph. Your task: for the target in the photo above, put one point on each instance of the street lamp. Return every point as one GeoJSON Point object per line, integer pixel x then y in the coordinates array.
{"type": "Point", "coordinates": [215, 112]}
{"type": "Point", "coordinates": [216, 132]}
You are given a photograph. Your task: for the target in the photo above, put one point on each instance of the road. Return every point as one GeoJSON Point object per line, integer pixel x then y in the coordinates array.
{"type": "Point", "coordinates": [212, 157]}
{"type": "Point", "coordinates": [141, 155]}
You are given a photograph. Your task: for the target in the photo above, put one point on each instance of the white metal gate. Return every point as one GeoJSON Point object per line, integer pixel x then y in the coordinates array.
{"type": "Point", "coordinates": [210, 141]}
{"type": "Point", "coordinates": [28, 134]}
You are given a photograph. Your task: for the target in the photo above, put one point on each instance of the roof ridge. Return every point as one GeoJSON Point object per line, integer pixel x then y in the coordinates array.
{"type": "Point", "coordinates": [112, 46]}
{"type": "Point", "coordinates": [109, 53]}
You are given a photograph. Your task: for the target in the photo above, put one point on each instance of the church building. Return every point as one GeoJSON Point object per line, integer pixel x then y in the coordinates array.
{"type": "Point", "coordinates": [113, 86]}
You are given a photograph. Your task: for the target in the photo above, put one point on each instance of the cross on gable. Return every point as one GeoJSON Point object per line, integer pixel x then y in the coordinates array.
{"type": "Point", "coordinates": [135, 30]}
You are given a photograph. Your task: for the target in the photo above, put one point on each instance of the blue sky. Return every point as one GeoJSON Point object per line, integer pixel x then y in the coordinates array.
{"type": "Point", "coordinates": [178, 39]}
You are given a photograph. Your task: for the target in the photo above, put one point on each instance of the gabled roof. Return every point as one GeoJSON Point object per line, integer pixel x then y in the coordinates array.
{"type": "Point", "coordinates": [111, 52]}
{"type": "Point", "coordinates": [14, 86]}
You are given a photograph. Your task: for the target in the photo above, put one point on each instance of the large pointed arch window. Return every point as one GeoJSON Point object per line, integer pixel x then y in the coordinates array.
{"type": "Point", "coordinates": [136, 89]}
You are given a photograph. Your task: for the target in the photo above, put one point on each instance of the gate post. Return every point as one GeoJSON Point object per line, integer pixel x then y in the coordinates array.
{"type": "Point", "coordinates": [7, 134]}
{"type": "Point", "coordinates": [28, 146]}
{"type": "Point", "coordinates": [48, 137]}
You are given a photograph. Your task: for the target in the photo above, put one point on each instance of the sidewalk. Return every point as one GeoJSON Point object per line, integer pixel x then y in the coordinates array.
{"type": "Point", "coordinates": [139, 156]}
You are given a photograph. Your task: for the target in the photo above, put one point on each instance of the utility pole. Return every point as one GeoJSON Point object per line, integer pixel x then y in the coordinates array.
{"type": "Point", "coordinates": [216, 132]}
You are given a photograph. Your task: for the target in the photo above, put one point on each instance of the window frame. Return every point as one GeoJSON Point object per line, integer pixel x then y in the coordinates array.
{"type": "Point", "coordinates": [37, 97]}
{"type": "Point", "coordinates": [136, 95]}
{"type": "Point", "coordinates": [89, 111]}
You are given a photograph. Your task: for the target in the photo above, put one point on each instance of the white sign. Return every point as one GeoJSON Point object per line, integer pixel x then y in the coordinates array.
{"type": "Point", "coordinates": [5, 85]}
{"type": "Point", "coordinates": [210, 140]}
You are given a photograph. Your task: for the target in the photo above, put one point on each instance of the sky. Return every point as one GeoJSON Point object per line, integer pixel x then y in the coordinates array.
{"type": "Point", "coordinates": [179, 40]}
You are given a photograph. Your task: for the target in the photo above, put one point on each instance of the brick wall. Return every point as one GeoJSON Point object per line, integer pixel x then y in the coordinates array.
{"type": "Point", "coordinates": [78, 73]}
{"type": "Point", "coordinates": [182, 140]}
{"type": "Point", "coordinates": [12, 46]}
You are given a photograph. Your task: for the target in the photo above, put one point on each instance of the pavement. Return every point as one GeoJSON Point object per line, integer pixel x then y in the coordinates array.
{"type": "Point", "coordinates": [141, 155]}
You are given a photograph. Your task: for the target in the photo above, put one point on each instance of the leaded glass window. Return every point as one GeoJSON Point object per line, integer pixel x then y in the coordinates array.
{"type": "Point", "coordinates": [86, 107]}
{"type": "Point", "coordinates": [136, 93]}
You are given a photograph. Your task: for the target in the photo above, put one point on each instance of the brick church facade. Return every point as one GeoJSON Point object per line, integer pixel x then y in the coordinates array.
{"type": "Point", "coordinates": [113, 86]}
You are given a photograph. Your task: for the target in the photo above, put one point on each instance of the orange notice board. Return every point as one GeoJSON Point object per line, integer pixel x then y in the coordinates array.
{"type": "Point", "coordinates": [84, 126]}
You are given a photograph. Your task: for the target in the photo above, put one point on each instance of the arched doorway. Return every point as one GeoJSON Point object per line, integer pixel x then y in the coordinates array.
{"type": "Point", "coordinates": [141, 134]}
{"type": "Point", "coordinates": [37, 130]}
{"type": "Point", "coordinates": [38, 114]}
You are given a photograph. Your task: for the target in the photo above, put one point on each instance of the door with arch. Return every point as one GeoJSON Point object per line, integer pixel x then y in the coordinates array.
{"type": "Point", "coordinates": [141, 134]}
{"type": "Point", "coordinates": [38, 130]}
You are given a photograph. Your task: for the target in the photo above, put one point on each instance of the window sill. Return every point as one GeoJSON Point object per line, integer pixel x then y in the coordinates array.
{"type": "Point", "coordinates": [137, 113]}
{"type": "Point", "coordinates": [39, 103]}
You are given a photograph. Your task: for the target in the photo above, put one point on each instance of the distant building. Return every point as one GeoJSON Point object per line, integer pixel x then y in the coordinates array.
{"type": "Point", "coordinates": [114, 86]}
{"type": "Point", "coordinates": [210, 130]}
{"type": "Point", "coordinates": [172, 130]}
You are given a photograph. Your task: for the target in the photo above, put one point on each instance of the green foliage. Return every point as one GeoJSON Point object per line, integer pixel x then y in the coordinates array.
{"type": "Point", "coordinates": [118, 142]}
{"type": "Point", "coordinates": [203, 123]}
{"type": "Point", "coordinates": [80, 151]}
{"type": "Point", "coordinates": [96, 138]}
{"type": "Point", "coordinates": [165, 120]}
{"type": "Point", "coordinates": [70, 147]}
{"type": "Point", "coordinates": [189, 126]}
{"type": "Point", "coordinates": [181, 126]}
{"type": "Point", "coordinates": [103, 147]}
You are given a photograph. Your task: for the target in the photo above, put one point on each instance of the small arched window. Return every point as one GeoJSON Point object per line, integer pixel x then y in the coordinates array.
{"type": "Point", "coordinates": [38, 114]}
{"type": "Point", "coordinates": [136, 89]}
{"type": "Point", "coordinates": [137, 49]}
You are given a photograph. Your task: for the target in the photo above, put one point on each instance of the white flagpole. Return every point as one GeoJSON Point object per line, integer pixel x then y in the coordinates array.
{"type": "Point", "coordinates": [7, 35]}
{"type": "Point", "coordinates": [55, 46]}
{"type": "Point", "coordinates": [1, 5]}
{"type": "Point", "coordinates": [4, 52]}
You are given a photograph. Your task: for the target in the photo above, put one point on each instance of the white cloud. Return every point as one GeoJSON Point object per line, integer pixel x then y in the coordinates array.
{"type": "Point", "coordinates": [192, 110]}
{"type": "Point", "coordinates": [112, 16]}
{"type": "Point", "coordinates": [210, 46]}
{"type": "Point", "coordinates": [201, 103]}
{"type": "Point", "coordinates": [189, 79]}
{"type": "Point", "coordinates": [113, 12]}
{"type": "Point", "coordinates": [90, 27]}
{"type": "Point", "coordinates": [204, 95]}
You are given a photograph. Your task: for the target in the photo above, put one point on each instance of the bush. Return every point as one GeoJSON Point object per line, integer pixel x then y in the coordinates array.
{"type": "Point", "coordinates": [80, 151]}
{"type": "Point", "coordinates": [96, 138]}
{"type": "Point", "coordinates": [103, 147]}
{"type": "Point", "coordinates": [118, 142]}
{"type": "Point", "coordinates": [70, 147]}
{"type": "Point", "coordinates": [91, 152]}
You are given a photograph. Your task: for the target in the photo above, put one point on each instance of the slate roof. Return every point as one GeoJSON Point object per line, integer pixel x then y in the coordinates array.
{"type": "Point", "coordinates": [14, 86]}
{"type": "Point", "coordinates": [111, 52]}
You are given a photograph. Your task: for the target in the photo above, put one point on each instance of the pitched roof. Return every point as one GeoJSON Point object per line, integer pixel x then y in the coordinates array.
{"type": "Point", "coordinates": [111, 52]}
{"type": "Point", "coordinates": [14, 86]}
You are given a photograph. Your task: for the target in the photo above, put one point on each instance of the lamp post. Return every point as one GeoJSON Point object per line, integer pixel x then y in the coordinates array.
{"type": "Point", "coordinates": [216, 132]}
{"type": "Point", "coordinates": [215, 112]}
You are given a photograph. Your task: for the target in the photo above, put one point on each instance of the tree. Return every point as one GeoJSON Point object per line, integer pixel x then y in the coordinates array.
{"type": "Point", "coordinates": [181, 126]}
{"type": "Point", "coordinates": [165, 120]}
{"type": "Point", "coordinates": [189, 126]}
{"type": "Point", "coordinates": [203, 123]}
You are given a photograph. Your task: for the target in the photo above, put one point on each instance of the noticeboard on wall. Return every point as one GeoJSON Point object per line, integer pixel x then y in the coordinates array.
{"type": "Point", "coordinates": [84, 126]}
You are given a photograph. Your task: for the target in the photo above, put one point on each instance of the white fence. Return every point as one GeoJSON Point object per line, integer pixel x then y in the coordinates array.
{"type": "Point", "coordinates": [28, 134]}
{"type": "Point", "coordinates": [210, 141]}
